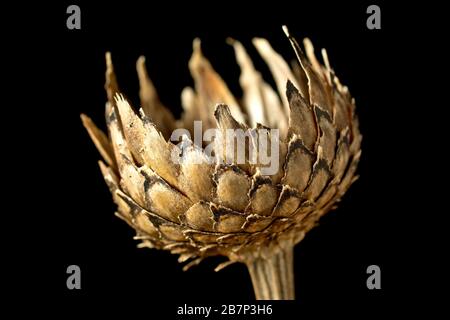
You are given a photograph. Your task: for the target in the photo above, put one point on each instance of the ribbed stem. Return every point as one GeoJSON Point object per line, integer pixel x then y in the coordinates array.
{"type": "Point", "coordinates": [273, 277]}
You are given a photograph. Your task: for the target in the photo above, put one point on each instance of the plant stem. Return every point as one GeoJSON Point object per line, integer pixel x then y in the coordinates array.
{"type": "Point", "coordinates": [273, 276]}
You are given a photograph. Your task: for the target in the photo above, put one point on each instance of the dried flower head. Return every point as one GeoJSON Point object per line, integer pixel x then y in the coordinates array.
{"type": "Point", "coordinates": [196, 207]}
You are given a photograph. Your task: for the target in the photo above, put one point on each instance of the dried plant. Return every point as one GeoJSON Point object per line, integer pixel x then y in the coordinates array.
{"type": "Point", "coordinates": [198, 209]}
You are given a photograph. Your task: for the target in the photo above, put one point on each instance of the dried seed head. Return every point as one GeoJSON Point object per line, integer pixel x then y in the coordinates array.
{"type": "Point", "coordinates": [198, 208]}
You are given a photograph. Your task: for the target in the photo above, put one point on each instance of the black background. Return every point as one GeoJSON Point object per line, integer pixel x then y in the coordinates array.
{"type": "Point", "coordinates": [70, 211]}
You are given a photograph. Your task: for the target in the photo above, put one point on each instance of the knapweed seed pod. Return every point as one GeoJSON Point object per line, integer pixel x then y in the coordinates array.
{"type": "Point", "coordinates": [245, 179]}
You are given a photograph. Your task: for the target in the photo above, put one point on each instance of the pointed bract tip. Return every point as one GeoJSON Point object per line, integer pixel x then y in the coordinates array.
{"type": "Point", "coordinates": [102, 166]}
{"type": "Point", "coordinates": [119, 98]}
{"type": "Point", "coordinates": [291, 89]}
{"type": "Point", "coordinates": [196, 45]}
{"type": "Point", "coordinates": [261, 44]}
{"type": "Point", "coordinates": [84, 118]}
{"type": "Point", "coordinates": [308, 42]}
{"type": "Point", "coordinates": [325, 58]}
{"type": "Point", "coordinates": [86, 121]}
{"type": "Point", "coordinates": [140, 63]}
{"type": "Point", "coordinates": [108, 59]}
{"type": "Point", "coordinates": [230, 41]}
{"type": "Point", "coordinates": [220, 110]}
